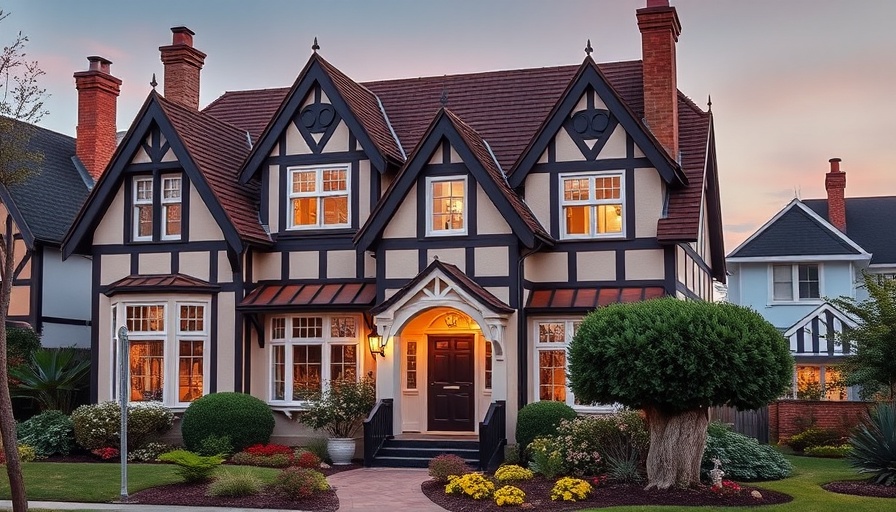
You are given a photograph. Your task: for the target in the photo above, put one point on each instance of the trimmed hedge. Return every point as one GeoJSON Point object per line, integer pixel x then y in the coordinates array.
{"type": "Point", "coordinates": [244, 419]}
{"type": "Point", "coordinates": [540, 419]}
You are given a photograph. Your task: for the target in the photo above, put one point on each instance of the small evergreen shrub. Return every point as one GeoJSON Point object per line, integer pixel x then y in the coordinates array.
{"type": "Point", "coordinates": [742, 457]}
{"type": "Point", "coordinates": [474, 485]}
{"type": "Point", "coordinates": [97, 425]}
{"type": "Point", "coordinates": [299, 483]}
{"type": "Point", "coordinates": [215, 445]}
{"type": "Point", "coordinates": [444, 466]}
{"type": "Point", "coordinates": [512, 473]}
{"type": "Point", "coordinates": [234, 484]}
{"type": "Point", "coordinates": [570, 489]}
{"type": "Point", "coordinates": [278, 460]}
{"type": "Point", "coordinates": [192, 467]}
{"type": "Point", "coordinates": [49, 432]}
{"type": "Point", "coordinates": [828, 452]}
{"type": "Point", "coordinates": [814, 437]}
{"type": "Point", "coordinates": [27, 453]}
{"type": "Point", "coordinates": [509, 495]}
{"type": "Point", "coordinates": [540, 419]}
{"type": "Point", "coordinates": [874, 445]}
{"type": "Point", "coordinates": [244, 418]}
{"type": "Point", "coordinates": [149, 452]}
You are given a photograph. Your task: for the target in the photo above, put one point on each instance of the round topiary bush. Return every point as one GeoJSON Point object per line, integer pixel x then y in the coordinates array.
{"type": "Point", "coordinates": [540, 419]}
{"type": "Point", "coordinates": [246, 420]}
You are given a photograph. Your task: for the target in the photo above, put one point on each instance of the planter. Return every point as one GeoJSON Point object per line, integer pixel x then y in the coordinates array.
{"type": "Point", "coordinates": [341, 450]}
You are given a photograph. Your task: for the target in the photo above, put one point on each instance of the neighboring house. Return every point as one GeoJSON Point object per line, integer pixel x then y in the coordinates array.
{"type": "Point", "coordinates": [49, 294]}
{"type": "Point", "coordinates": [811, 250]}
{"type": "Point", "coordinates": [464, 224]}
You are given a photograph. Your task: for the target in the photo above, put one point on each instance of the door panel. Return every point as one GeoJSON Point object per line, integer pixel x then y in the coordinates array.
{"type": "Point", "coordinates": [451, 371]}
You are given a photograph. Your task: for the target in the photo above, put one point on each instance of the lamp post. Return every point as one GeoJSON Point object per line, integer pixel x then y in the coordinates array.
{"type": "Point", "coordinates": [123, 353]}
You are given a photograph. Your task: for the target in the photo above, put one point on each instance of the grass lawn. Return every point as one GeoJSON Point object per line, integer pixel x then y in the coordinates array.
{"type": "Point", "coordinates": [809, 473]}
{"type": "Point", "coordinates": [97, 483]}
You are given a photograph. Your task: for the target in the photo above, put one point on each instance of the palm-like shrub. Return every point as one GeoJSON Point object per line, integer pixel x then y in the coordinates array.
{"type": "Point", "coordinates": [52, 377]}
{"type": "Point", "coordinates": [874, 445]}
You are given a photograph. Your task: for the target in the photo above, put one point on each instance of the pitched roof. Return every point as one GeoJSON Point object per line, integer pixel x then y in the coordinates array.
{"type": "Point", "coordinates": [492, 101]}
{"type": "Point", "coordinates": [868, 223]}
{"type": "Point", "coordinates": [796, 231]}
{"type": "Point", "coordinates": [355, 294]}
{"type": "Point", "coordinates": [218, 149]}
{"type": "Point", "coordinates": [55, 178]}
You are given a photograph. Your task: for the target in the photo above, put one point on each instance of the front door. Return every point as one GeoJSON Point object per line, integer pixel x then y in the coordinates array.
{"type": "Point", "coordinates": [451, 370]}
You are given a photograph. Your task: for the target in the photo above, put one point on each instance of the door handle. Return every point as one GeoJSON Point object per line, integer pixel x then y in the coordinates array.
{"type": "Point", "coordinates": [450, 387]}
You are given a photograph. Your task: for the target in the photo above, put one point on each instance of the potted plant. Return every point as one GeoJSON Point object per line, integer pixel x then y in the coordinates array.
{"type": "Point", "coordinates": [340, 410]}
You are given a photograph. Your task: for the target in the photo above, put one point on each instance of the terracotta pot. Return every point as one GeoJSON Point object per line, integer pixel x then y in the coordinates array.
{"type": "Point", "coordinates": [341, 450]}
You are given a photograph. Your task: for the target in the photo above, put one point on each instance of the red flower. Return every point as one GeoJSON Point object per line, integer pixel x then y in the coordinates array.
{"type": "Point", "coordinates": [106, 453]}
{"type": "Point", "coordinates": [268, 449]}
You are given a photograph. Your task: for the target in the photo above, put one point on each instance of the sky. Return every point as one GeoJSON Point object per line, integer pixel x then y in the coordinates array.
{"type": "Point", "coordinates": [793, 82]}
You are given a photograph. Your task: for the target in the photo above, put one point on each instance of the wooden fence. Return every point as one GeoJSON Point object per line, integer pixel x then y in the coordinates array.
{"type": "Point", "coordinates": [753, 423]}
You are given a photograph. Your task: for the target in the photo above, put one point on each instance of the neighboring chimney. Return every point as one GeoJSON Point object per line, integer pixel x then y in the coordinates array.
{"type": "Point", "coordinates": [660, 27]}
{"type": "Point", "coordinates": [97, 98]}
{"type": "Point", "coordinates": [835, 184]}
{"type": "Point", "coordinates": [182, 66]}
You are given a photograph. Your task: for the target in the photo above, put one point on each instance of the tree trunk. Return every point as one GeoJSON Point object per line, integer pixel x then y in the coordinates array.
{"type": "Point", "coordinates": [676, 447]}
{"type": "Point", "coordinates": [7, 422]}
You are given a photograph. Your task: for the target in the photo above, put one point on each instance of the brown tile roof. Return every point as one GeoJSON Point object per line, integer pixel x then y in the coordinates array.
{"type": "Point", "coordinates": [159, 282]}
{"type": "Point", "coordinates": [589, 298]}
{"type": "Point", "coordinates": [483, 153]}
{"type": "Point", "coordinates": [506, 108]}
{"type": "Point", "coordinates": [459, 277]}
{"type": "Point", "coordinates": [352, 295]}
{"type": "Point", "coordinates": [218, 149]}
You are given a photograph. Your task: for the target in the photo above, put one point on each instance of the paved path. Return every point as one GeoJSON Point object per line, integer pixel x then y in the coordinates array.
{"type": "Point", "coordinates": [368, 489]}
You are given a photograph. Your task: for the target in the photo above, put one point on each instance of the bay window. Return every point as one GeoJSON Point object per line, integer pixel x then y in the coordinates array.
{"type": "Point", "coordinates": [308, 351]}
{"type": "Point", "coordinates": [318, 197]}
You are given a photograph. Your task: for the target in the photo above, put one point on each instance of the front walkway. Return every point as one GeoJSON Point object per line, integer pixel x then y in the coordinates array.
{"type": "Point", "coordinates": [382, 490]}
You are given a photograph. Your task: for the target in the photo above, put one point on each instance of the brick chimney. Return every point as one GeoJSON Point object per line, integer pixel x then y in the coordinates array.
{"type": "Point", "coordinates": [182, 66]}
{"type": "Point", "coordinates": [97, 102]}
{"type": "Point", "coordinates": [659, 26]}
{"type": "Point", "coordinates": [835, 184]}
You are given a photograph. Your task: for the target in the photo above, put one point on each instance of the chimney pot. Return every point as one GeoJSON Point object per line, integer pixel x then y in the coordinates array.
{"type": "Point", "coordinates": [835, 164]}
{"type": "Point", "coordinates": [182, 35]}
{"type": "Point", "coordinates": [657, 3]}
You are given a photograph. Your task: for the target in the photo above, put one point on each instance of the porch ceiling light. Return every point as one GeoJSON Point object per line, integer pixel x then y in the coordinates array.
{"type": "Point", "coordinates": [375, 343]}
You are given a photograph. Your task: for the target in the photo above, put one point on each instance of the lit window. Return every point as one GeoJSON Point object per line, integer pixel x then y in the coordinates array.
{"type": "Point", "coordinates": [411, 358]}
{"type": "Point", "coordinates": [795, 282]}
{"type": "Point", "coordinates": [152, 342]}
{"type": "Point", "coordinates": [551, 340]}
{"type": "Point", "coordinates": [309, 351]}
{"type": "Point", "coordinates": [146, 205]}
{"type": "Point", "coordinates": [591, 205]}
{"type": "Point", "coordinates": [171, 202]}
{"type": "Point", "coordinates": [488, 365]}
{"type": "Point", "coordinates": [318, 197]}
{"type": "Point", "coordinates": [819, 382]}
{"type": "Point", "coordinates": [446, 203]}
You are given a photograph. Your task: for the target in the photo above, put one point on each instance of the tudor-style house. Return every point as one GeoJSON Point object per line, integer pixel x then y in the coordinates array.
{"type": "Point", "coordinates": [444, 235]}
{"type": "Point", "coordinates": [811, 250]}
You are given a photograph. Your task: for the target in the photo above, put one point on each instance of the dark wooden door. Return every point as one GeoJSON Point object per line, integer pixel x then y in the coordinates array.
{"type": "Point", "coordinates": [451, 370]}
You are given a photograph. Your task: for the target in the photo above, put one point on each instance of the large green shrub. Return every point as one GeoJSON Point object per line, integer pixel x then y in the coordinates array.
{"type": "Point", "coordinates": [540, 419]}
{"type": "Point", "coordinates": [742, 457]}
{"type": "Point", "coordinates": [97, 426]}
{"type": "Point", "coordinates": [874, 445]}
{"type": "Point", "coordinates": [246, 420]}
{"type": "Point", "coordinates": [49, 432]}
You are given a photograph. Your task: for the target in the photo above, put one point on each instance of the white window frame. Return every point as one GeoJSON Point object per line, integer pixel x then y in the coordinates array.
{"type": "Point", "coordinates": [170, 335]}
{"type": "Point", "coordinates": [570, 325]}
{"type": "Point", "coordinates": [592, 203]}
{"type": "Point", "coordinates": [137, 202]}
{"type": "Point", "coordinates": [795, 284]}
{"type": "Point", "coordinates": [319, 194]}
{"type": "Point", "coordinates": [326, 342]}
{"type": "Point", "coordinates": [465, 212]}
{"type": "Point", "coordinates": [166, 202]}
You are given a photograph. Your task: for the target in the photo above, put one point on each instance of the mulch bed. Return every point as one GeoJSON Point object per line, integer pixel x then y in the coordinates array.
{"type": "Point", "coordinates": [194, 495]}
{"type": "Point", "coordinates": [861, 488]}
{"type": "Point", "coordinates": [538, 497]}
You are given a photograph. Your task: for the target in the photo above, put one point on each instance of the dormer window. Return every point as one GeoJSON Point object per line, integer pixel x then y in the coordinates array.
{"type": "Point", "coordinates": [318, 197]}
{"type": "Point", "coordinates": [447, 205]}
{"type": "Point", "coordinates": [147, 204]}
{"type": "Point", "coordinates": [592, 205]}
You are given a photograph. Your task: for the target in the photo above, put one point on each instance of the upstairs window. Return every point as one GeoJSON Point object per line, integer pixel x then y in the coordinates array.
{"type": "Point", "coordinates": [446, 203]}
{"type": "Point", "coordinates": [150, 209]}
{"type": "Point", "coordinates": [318, 197]}
{"type": "Point", "coordinates": [592, 205]}
{"type": "Point", "coordinates": [795, 282]}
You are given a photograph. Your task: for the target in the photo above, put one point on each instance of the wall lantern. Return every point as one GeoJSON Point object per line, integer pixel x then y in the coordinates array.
{"type": "Point", "coordinates": [375, 343]}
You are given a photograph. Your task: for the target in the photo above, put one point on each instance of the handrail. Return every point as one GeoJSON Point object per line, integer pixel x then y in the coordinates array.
{"type": "Point", "coordinates": [493, 436]}
{"type": "Point", "coordinates": [377, 428]}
